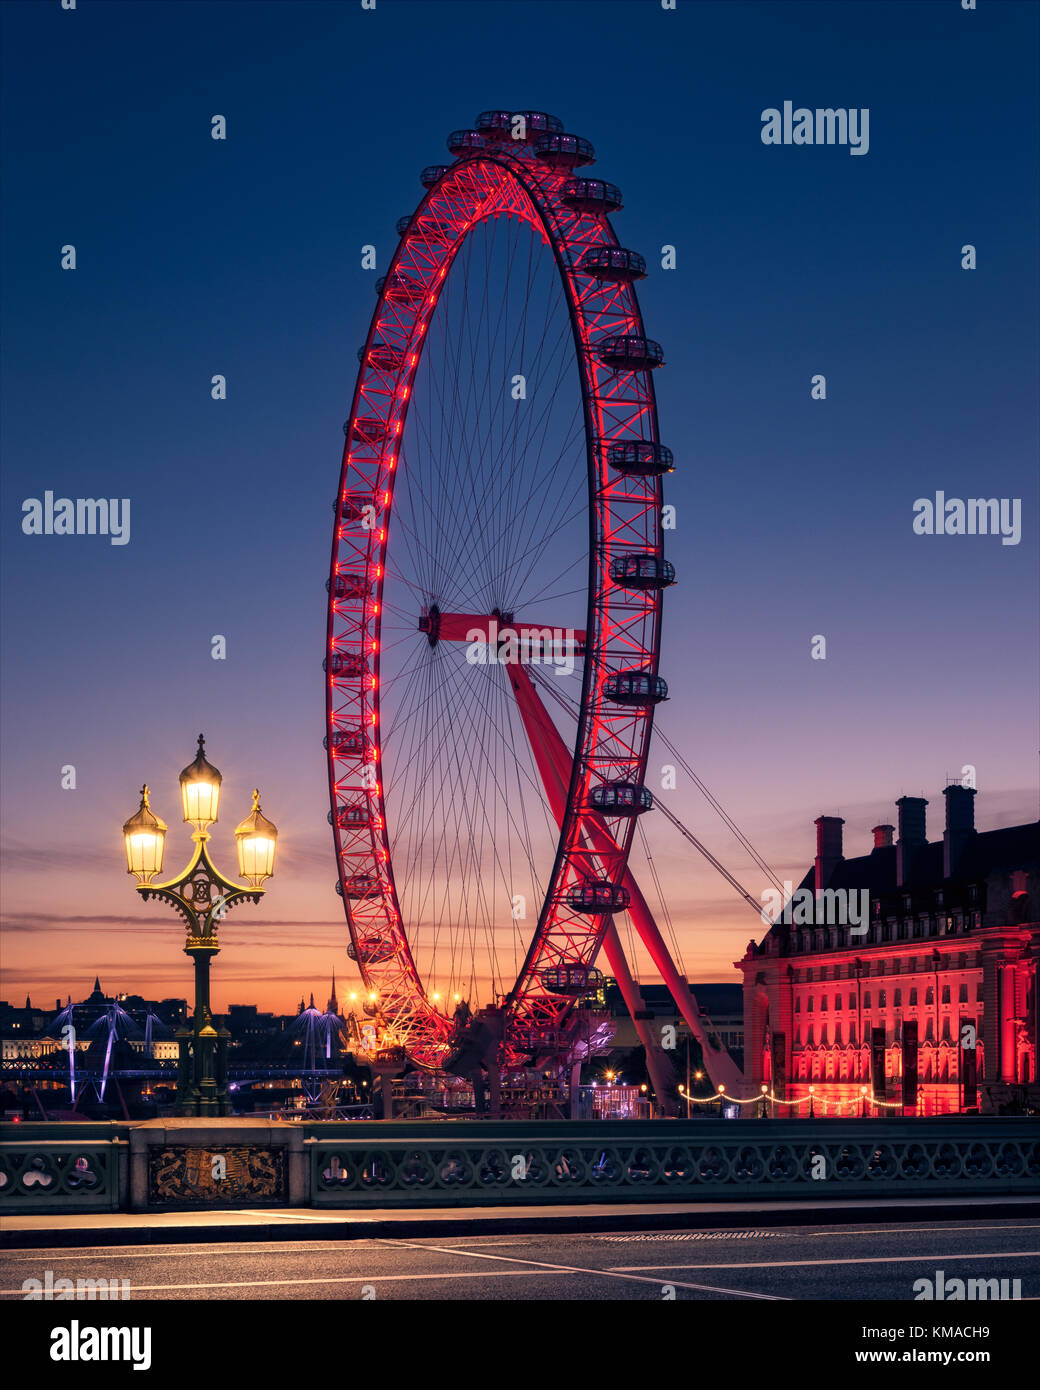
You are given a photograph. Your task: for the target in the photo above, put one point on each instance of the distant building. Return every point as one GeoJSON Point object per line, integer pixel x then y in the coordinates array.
{"type": "Point", "coordinates": [932, 1007]}
{"type": "Point", "coordinates": [721, 1008]}
{"type": "Point", "coordinates": [22, 1023]}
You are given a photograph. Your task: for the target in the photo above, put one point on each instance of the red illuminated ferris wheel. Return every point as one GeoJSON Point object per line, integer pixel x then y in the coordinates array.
{"type": "Point", "coordinates": [498, 528]}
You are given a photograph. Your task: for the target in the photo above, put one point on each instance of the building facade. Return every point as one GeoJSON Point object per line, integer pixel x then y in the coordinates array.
{"type": "Point", "coordinates": [929, 1004]}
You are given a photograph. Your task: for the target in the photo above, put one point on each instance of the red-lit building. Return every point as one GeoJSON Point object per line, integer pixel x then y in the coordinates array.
{"type": "Point", "coordinates": [934, 1007]}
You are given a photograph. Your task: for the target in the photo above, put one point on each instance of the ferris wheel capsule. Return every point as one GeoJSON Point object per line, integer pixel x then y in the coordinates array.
{"type": "Point", "coordinates": [613, 263]}
{"type": "Point", "coordinates": [591, 196]}
{"type": "Point", "coordinates": [639, 688]}
{"type": "Point", "coordinates": [601, 896]}
{"type": "Point", "coordinates": [572, 979]}
{"type": "Point", "coordinates": [641, 458]}
{"type": "Point", "coordinates": [621, 799]}
{"type": "Point", "coordinates": [628, 353]}
{"type": "Point", "coordinates": [517, 126]}
{"type": "Point", "coordinates": [564, 151]}
{"type": "Point", "coordinates": [462, 142]}
{"type": "Point", "coordinates": [642, 572]}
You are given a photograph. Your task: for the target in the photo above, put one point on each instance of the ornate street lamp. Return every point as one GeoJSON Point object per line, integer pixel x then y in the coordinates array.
{"type": "Point", "coordinates": [202, 896]}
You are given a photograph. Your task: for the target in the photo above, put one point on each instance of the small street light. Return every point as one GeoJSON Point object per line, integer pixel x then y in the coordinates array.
{"type": "Point", "coordinates": [202, 897]}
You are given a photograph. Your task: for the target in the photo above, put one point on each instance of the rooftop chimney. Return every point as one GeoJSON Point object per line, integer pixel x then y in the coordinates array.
{"type": "Point", "coordinates": [911, 835]}
{"type": "Point", "coordinates": [883, 836]}
{"type": "Point", "coordinates": [960, 824]}
{"type": "Point", "coordinates": [828, 848]}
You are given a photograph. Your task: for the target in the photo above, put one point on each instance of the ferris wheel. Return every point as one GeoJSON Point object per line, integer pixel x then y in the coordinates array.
{"type": "Point", "coordinates": [498, 518]}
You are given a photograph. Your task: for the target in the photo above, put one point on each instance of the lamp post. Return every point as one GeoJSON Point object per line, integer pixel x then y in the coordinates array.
{"type": "Point", "coordinates": [202, 896]}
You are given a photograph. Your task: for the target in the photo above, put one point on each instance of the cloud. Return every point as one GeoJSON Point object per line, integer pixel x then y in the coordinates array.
{"type": "Point", "coordinates": [23, 858]}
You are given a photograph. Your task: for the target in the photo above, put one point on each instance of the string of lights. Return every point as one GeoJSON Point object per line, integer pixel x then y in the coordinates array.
{"type": "Point", "coordinates": [722, 1095]}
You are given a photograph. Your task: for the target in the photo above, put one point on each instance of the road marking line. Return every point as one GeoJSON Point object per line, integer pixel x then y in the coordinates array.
{"type": "Point", "coordinates": [925, 1226]}
{"type": "Point", "coordinates": [304, 1216]}
{"type": "Point", "coordinates": [579, 1269]}
{"type": "Point", "coordinates": [127, 1252]}
{"type": "Point", "coordinates": [335, 1279]}
{"type": "Point", "coordinates": [854, 1260]}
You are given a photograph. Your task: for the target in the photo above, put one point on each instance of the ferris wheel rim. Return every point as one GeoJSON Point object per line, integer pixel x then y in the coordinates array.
{"type": "Point", "coordinates": [536, 197]}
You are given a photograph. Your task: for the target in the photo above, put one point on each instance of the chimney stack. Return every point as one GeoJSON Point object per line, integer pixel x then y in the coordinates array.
{"type": "Point", "coordinates": [883, 836]}
{"type": "Point", "coordinates": [912, 835]}
{"type": "Point", "coordinates": [828, 848]}
{"type": "Point", "coordinates": [960, 824]}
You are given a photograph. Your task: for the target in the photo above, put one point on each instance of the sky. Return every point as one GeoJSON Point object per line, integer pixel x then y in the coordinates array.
{"type": "Point", "coordinates": [793, 515]}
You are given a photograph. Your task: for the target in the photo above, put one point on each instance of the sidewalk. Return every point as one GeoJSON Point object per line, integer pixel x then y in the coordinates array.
{"type": "Point", "coordinates": [48, 1231]}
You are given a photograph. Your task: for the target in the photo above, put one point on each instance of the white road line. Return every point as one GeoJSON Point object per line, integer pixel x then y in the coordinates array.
{"type": "Point", "coordinates": [854, 1260]}
{"type": "Point", "coordinates": [333, 1217]}
{"type": "Point", "coordinates": [579, 1269]}
{"type": "Point", "coordinates": [925, 1227]}
{"type": "Point", "coordinates": [127, 1252]}
{"type": "Point", "coordinates": [88, 1256]}
{"type": "Point", "coordinates": [336, 1279]}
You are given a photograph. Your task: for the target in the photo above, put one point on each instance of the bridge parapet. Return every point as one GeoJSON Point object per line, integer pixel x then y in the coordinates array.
{"type": "Point", "coordinates": [179, 1164]}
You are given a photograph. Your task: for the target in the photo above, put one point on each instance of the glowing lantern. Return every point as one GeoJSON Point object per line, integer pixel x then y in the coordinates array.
{"type": "Point", "coordinates": [145, 837]}
{"type": "Point", "coordinates": [255, 840]}
{"type": "Point", "coordinates": [200, 790]}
